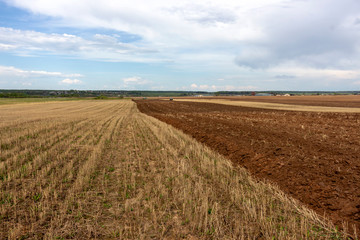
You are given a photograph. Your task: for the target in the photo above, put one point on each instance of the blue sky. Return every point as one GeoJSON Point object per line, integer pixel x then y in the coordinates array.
{"type": "Point", "coordinates": [209, 45]}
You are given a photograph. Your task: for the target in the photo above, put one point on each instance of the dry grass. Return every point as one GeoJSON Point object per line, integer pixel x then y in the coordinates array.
{"type": "Point", "coordinates": [276, 106]}
{"type": "Point", "coordinates": [101, 169]}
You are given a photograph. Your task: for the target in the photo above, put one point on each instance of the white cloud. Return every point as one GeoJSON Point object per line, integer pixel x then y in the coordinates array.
{"type": "Point", "coordinates": [210, 88]}
{"type": "Point", "coordinates": [71, 81]}
{"type": "Point", "coordinates": [136, 82]}
{"type": "Point", "coordinates": [132, 80]}
{"type": "Point", "coordinates": [318, 34]}
{"type": "Point", "coordinates": [290, 71]}
{"type": "Point", "coordinates": [203, 87]}
{"type": "Point", "coordinates": [158, 19]}
{"type": "Point", "coordinates": [19, 78]}
{"type": "Point", "coordinates": [258, 33]}
{"type": "Point", "coordinates": [205, 22]}
{"type": "Point", "coordinates": [284, 38]}
{"type": "Point", "coordinates": [167, 31]}
{"type": "Point", "coordinates": [284, 76]}
{"type": "Point", "coordinates": [6, 47]}
{"type": "Point", "coordinates": [10, 71]}
{"type": "Point", "coordinates": [100, 47]}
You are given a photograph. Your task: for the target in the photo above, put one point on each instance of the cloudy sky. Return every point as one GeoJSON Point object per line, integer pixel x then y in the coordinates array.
{"type": "Point", "coordinates": [208, 45]}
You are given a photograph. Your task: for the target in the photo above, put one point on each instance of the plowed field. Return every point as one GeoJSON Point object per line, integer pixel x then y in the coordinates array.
{"type": "Point", "coordinates": [103, 170]}
{"type": "Point", "coordinates": [315, 157]}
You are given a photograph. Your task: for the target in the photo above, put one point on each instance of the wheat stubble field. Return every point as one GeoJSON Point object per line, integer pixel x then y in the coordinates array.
{"type": "Point", "coordinates": [102, 169]}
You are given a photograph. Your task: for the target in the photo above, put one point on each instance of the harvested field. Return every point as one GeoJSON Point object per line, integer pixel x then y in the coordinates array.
{"type": "Point", "coordinates": [347, 101]}
{"type": "Point", "coordinates": [102, 169]}
{"type": "Point", "coordinates": [6, 101]}
{"type": "Point", "coordinates": [312, 156]}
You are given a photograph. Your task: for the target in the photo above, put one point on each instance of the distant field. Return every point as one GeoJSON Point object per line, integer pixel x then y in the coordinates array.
{"type": "Point", "coordinates": [101, 169]}
{"type": "Point", "coordinates": [4, 101]}
{"type": "Point", "coordinates": [269, 104]}
{"type": "Point", "coordinates": [347, 101]}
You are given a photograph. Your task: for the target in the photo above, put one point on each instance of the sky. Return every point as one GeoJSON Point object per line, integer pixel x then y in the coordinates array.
{"type": "Point", "coordinates": [212, 45]}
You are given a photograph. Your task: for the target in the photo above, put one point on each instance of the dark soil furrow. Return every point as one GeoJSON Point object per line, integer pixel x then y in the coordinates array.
{"type": "Point", "coordinates": [312, 156]}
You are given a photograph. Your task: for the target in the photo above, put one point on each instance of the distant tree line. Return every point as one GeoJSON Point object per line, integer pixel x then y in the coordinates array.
{"type": "Point", "coordinates": [15, 95]}
{"type": "Point", "coordinates": [101, 94]}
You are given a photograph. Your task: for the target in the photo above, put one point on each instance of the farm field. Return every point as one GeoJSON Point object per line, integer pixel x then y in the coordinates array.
{"type": "Point", "coordinates": [275, 106]}
{"type": "Point", "coordinates": [348, 101]}
{"type": "Point", "coordinates": [312, 156]}
{"type": "Point", "coordinates": [5, 101]}
{"type": "Point", "coordinates": [102, 169]}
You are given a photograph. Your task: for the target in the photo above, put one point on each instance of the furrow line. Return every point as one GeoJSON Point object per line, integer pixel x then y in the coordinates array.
{"type": "Point", "coordinates": [82, 179]}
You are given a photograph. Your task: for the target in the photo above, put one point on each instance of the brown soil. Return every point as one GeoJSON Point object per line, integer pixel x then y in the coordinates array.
{"type": "Point", "coordinates": [312, 156]}
{"type": "Point", "coordinates": [328, 101]}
